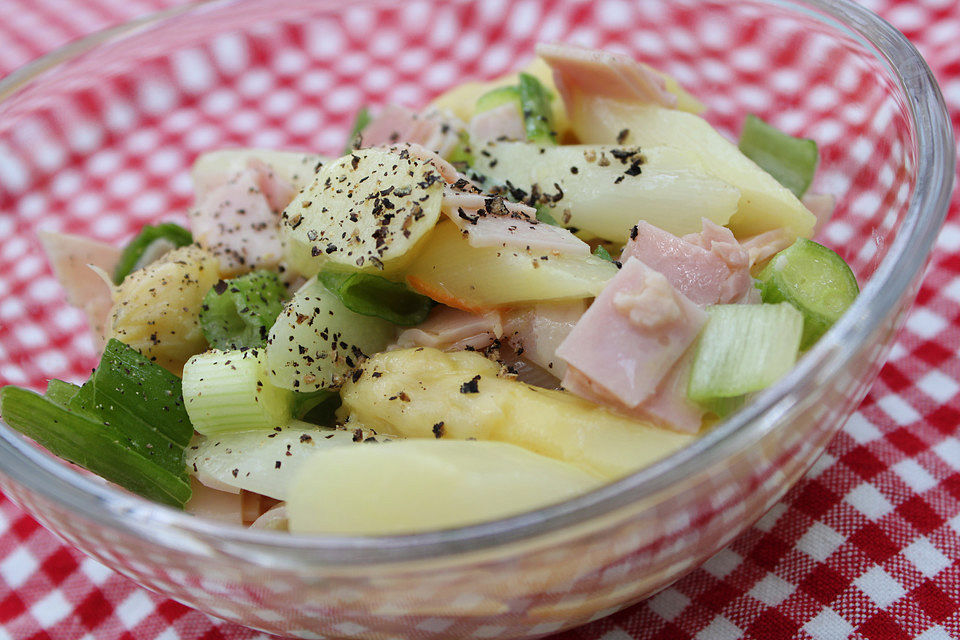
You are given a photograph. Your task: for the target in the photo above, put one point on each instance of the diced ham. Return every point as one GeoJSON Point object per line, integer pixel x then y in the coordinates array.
{"type": "Point", "coordinates": [764, 246]}
{"type": "Point", "coordinates": [604, 74]}
{"type": "Point", "coordinates": [237, 223]}
{"type": "Point", "coordinates": [668, 406]}
{"type": "Point", "coordinates": [450, 329]}
{"type": "Point", "coordinates": [214, 504]}
{"type": "Point", "coordinates": [462, 207]}
{"type": "Point", "coordinates": [75, 261]}
{"type": "Point", "coordinates": [708, 268]}
{"type": "Point", "coordinates": [632, 334]}
{"type": "Point", "coordinates": [278, 192]}
{"type": "Point", "coordinates": [500, 123]}
{"type": "Point", "coordinates": [821, 205]}
{"type": "Point", "coordinates": [528, 235]}
{"type": "Point", "coordinates": [436, 130]}
{"type": "Point", "coordinates": [536, 332]}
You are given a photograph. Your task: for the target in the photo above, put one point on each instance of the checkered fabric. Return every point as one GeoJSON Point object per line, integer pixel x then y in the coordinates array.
{"type": "Point", "coordinates": [867, 545]}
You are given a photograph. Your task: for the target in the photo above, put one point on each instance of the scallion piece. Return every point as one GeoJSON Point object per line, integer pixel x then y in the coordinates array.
{"type": "Point", "coordinates": [126, 424]}
{"type": "Point", "coordinates": [238, 313]}
{"type": "Point", "coordinates": [498, 97]}
{"type": "Point", "coordinates": [792, 161]}
{"type": "Point", "coordinates": [316, 407]}
{"type": "Point", "coordinates": [148, 245]}
{"type": "Point", "coordinates": [359, 124]}
{"type": "Point", "coordinates": [535, 105]}
{"type": "Point", "coordinates": [815, 280]}
{"type": "Point", "coordinates": [602, 253]}
{"type": "Point", "coordinates": [371, 295]}
{"type": "Point", "coordinates": [744, 348]}
{"type": "Point", "coordinates": [462, 155]}
{"type": "Point", "coordinates": [228, 391]}
{"type": "Point", "coordinates": [544, 216]}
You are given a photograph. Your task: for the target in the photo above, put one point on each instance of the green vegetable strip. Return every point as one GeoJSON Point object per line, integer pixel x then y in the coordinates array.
{"type": "Point", "coordinates": [462, 154]}
{"type": "Point", "coordinates": [815, 280]}
{"type": "Point", "coordinates": [544, 215]}
{"type": "Point", "coordinates": [602, 253]}
{"type": "Point", "coordinates": [91, 444]}
{"type": "Point", "coordinates": [316, 407]}
{"type": "Point", "coordinates": [238, 313]}
{"type": "Point", "coordinates": [359, 124]}
{"type": "Point", "coordinates": [141, 391]}
{"type": "Point", "coordinates": [535, 106]}
{"type": "Point", "coordinates": [744, 348]}
{"type": "Point", "coordinates": [792, 161]}
{"type": "Point", "coordinates": [498, 97]}
{"type": "Point", "coordinates": [61, 392]}
{"type": "Point", "coordinates": [371, 295]}
{"type": "Point", "coordinates": [136, 248]}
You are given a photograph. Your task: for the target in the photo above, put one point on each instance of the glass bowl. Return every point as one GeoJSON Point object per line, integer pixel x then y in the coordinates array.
{"type": "Point", "coordinates": [97, 139]}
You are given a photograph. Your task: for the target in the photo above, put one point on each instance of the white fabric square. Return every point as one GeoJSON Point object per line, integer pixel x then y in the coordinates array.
{"type": "Point", "coordinates": [880, 587]}
{"type": "Point", "coordinates": [828, 625]}
{"type": "Point", "coordinates": [51, 609]}
{"type": "Point", "coordinates": [938, 386]}
{"type": "Point", "coordinates": [769, 519]}
{"type": "Point", "coordinates": [869, 501]}
{"type": "Point", "coordinates": [17, 567]}
{"type": "Point", "coordinates": [134, 609]}
{"type": "Point", "coordinates": [720, 629]}
{"type": "Point", "coordinates": [934, 633]}
{"type": "Point", "coordinates": [824, 462]}
{"type": "Point", "coordinates": [861, 429]}
{"type": "Point", "coordinates": [95, 572]}
{"type": "Point", "coordinates": [915, 476]}
{"type": "Point", "coordinates": [899, 409]}
{"type": "Point", "coordinates": [925, 323]}
{"type": "Point", "coordinates": [949, 238]}
{"type": "Point", "coordinates": [772, 590]}
{"type": "Point", "coordinates": [952, 290]}
{"type": "Point", "coordinates": [668, 603]}
{"type": "Point", "coordinates": [722, 563]}
{"type": "Point", "coordinates": [925, 557]}
{"type": "Point", "coordinates": [949, 451]}
{"type": "Point", "coordinates": [820, 541]}
{"type": "Point", "coordinates": [488, 631]}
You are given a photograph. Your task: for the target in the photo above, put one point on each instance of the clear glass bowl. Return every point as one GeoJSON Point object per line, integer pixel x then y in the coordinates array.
{"type": "Point", "coordinates": [97, 139]}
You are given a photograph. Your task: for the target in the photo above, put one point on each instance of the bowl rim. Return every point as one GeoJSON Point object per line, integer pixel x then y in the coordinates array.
{"type": "Point", "coordinates": [893, 278]}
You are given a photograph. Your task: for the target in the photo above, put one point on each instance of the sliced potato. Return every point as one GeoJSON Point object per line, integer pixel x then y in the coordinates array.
{"type": "Point", "coordinates": [426, 393]}
{"type": "Point", "coordinates": [606, 189]}
{"type": "Point", "coordinates": [156, 309]}
{"type": "Point", "coordinates": [451, 271]}
{"type": "Point", "coordinates": [423, 485]}
{"type": "Point", "coordinates": [264, 462]}
{"type": "Point", "coordinates": [317, 341]}
{"type": "Point", "coordinates": [213, 168]}
{"type": "Point", "coordinates": [366, 211]}
{"type": "Point", "coordinates": [764, 203]}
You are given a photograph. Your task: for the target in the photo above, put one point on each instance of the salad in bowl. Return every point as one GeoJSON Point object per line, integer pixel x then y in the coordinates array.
{"type": "Point", "coordinates": [530, 288]}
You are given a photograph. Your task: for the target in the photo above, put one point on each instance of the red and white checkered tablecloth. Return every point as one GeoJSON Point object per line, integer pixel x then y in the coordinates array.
{"type": "Point", "coordinates": [866, 546]}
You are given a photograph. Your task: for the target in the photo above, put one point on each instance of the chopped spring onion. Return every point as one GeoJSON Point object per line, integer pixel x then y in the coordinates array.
{"type": "Point", "coordinates": [532, 99]}
{"type": "Point", "coordinates": [601, 252]}
{"type": "Point", "coordinates": [238, 313]}
{"type": "Point", "coordinates": [359, 124]}
{"type": "Point", "coordinates": [462, 155]}
{"type": "Point", "coordinates": [316, 407]}
{"type": "Point", "coordinates": [371, 295]}
{"type": "Point", "coordinates": [535, 105]}
{"type": "Point", "coordinates": [148, 245]}
{"type": "Point", "coordinates": [815, 280]}
{"type": "Point", "coordinates": [101, 426]}
{"type": "Point", "coordinates": [129, 390]}
{"type": "Point", "coordinates": [544, 216]}
{"type": "Point", "coordinates": [228, 391]}
{"type": "Point", "coordinates": [792, 161]}
{"type": "Point", "coordinates": [744, 348]}
{"type": "Point", "coordinates": [498, 97]}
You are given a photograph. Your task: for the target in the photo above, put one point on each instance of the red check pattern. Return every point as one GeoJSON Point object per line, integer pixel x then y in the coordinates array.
{"type": "Point", "coordinates": [866, 546]}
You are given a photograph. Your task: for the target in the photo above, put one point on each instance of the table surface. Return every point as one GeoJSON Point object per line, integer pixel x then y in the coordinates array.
{"type": "Point", "coordinates": [867, 545]}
